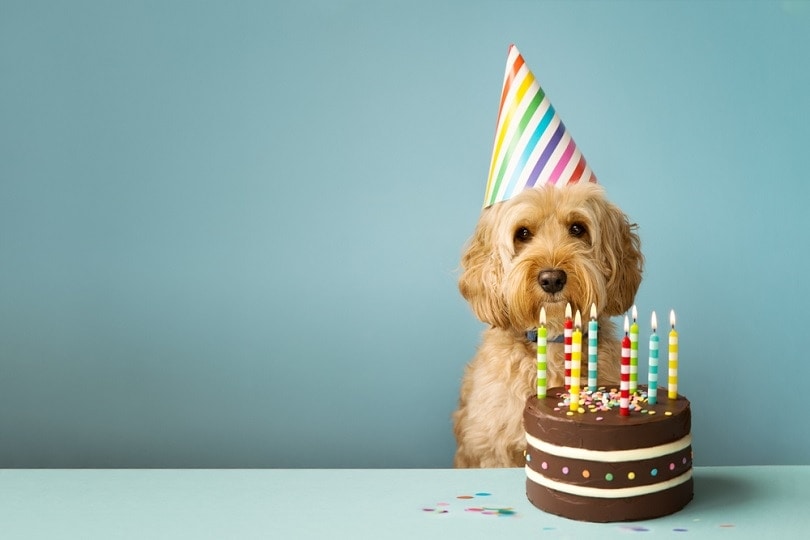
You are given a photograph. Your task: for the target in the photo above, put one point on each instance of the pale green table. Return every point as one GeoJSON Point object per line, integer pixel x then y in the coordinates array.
{"type": "Point", "coordinates": [730, 502]}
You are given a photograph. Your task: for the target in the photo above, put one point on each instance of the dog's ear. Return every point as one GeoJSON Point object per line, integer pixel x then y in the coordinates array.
{"type": "Point", "coordinates": [622, 251]}
{"type": "Point", "coordinates": [482, 271]}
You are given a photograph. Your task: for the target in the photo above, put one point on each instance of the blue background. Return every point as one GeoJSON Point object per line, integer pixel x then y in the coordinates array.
{"type": "Point", "coordinates": [230, 231]}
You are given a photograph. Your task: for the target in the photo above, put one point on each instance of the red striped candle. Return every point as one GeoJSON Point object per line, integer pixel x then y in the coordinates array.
{"type": "Point", "coordinates": [568, 330]}
{"type": "Point", "coordinates": [576, 362]}
{"type": "Point", "coordinates": [624, 387]}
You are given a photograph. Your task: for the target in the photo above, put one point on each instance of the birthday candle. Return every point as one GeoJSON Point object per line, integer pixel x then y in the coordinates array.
{"type": "Point", "coordinates": [672, 386]}
{"type": "Point", "coordinates": [593, 348]}
{"type": "Point", "coordinates": [568, 328]}
{"type": "Point", "coordinates": [624, 386]}
{"type": "Point", "coordinates": [542, 341]}
{"type": "Point", "coordinates": [576, 361]}
{"type": "Point", "coordinates": [634, 353]}
{"type": "Point", "coordinates": [652, 375]}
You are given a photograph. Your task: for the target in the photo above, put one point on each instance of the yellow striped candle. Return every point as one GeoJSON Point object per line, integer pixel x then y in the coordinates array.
{"type": "Point", "coordinates": [672, 386]}
{"type": "Point", "coordinates": [542, 341]}
{"type": "Point", "coordinates": [576, 361]}
{"type": "Point", "coordinates": [634, 352]}
{"type": "Point", "coordinates": [593, 349]}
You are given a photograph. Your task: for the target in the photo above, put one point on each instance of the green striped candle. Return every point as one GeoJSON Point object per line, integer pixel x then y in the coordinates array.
{"type": "Point", "coordinates": [542, 342]}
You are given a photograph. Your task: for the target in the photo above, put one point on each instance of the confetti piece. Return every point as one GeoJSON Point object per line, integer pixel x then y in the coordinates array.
{"type": "Point", "coordinates": [635, 529]}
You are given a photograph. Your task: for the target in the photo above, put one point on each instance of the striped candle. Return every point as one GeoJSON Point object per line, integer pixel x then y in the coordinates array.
{"type": "Point", "coordinates": [568, 328]}
{"type": "Point", "coordinates": [634, 352]}
{"type": "Point", "coordinates": [542, 342]}
{"type": "Point", "coordinates": [652, 375]}
{"type": "Point", "coordinates": [593, 348]}
{"type": "Point", "coordinates": [576, 362]}
{"type": "Point", "coordinates": [532, 146]}
{"type": "Point", "coordinates": [624, 386]}
{"type": "Point", "coordinates": [672, 385]}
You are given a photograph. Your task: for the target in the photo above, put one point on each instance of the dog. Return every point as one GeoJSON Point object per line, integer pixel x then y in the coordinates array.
{"type": "Point", "coordinates": [545, 247]}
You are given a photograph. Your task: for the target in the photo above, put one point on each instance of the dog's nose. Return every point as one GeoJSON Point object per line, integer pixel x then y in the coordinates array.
{"type": "Point", "coordinates": [552, 280]}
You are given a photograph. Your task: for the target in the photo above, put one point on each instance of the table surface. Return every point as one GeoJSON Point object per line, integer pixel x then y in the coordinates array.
{"type": "Point", "coordinates": [741, 502]}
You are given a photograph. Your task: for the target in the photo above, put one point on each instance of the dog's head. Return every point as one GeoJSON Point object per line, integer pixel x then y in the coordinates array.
{"type": "Point", "coordinates": [549, 246]}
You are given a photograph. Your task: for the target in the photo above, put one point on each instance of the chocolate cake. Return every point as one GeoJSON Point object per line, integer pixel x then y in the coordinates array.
{"type": "Point", "coordinates": [595, 465]}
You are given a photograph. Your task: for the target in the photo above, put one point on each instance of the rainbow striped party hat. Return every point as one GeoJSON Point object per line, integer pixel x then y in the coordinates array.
{"type": "Point", "coordinates": [532, 146]}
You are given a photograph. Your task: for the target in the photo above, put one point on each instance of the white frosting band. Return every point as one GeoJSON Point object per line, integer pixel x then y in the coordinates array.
{"type": "Point", "coordinates": [603, 493]}
{"type": "Point", "coordinates": [613, 456]}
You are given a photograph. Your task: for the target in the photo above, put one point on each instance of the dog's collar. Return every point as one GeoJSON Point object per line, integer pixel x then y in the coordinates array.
{"type": "Point", "coordinates": [531, 335]}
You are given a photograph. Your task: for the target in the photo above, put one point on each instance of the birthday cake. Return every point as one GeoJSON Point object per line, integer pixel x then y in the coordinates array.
{"type": "Point", "coordinates": [593, 464]}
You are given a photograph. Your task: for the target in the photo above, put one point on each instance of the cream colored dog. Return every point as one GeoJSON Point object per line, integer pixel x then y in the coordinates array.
{"type": "Point", "coordinates": [545, 247]}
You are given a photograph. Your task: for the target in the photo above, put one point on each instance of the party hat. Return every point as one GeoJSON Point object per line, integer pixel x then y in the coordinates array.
{"type": "Point", "coordinates": [532, 146]}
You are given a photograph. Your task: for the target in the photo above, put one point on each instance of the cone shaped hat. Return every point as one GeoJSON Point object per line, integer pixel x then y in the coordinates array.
{"type": "Point", "coordinates": [532, 146]}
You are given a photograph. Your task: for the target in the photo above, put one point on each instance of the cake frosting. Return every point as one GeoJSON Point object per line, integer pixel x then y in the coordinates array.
{"type": "Point", "coordinates": [594, 465]}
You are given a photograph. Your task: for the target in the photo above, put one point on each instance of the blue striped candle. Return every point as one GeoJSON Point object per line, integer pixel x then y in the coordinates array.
{"type": "Point", "coordinates": [652, 376]}
{"type": "Point", "coordinates": [593, 348]}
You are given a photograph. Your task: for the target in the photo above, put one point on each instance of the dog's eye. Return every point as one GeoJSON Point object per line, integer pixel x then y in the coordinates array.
{"type": "Point", "coordinates": [523, 235]}
{"type": "Point", "coordinates": [577, 230]}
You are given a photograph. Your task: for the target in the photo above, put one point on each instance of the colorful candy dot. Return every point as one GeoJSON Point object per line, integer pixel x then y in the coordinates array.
{"type": "Point", "coordinates": [609, 477]}
{"type": "Point", "coordinates": [671, 466]}
{"type": "Point", "coordinates": [565, 470]}
{"type": "Point", "coordinates": [528, 457]}
{"type": "Point", "coordinates": [586, 473]}
{"type": "Point", "coordinates": [631, 475]}
{"type": "Point", "coordinates": [544, 465]}
{"type": "Point", "coordinates": [654, 472]}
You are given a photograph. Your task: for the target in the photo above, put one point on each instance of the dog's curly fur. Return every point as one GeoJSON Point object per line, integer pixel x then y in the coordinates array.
{"type": "Point", "coordinates": [573, 229]}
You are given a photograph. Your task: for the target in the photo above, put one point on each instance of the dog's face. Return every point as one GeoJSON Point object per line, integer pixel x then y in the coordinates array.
{"type": "Point", "coordinates": [549, 246]}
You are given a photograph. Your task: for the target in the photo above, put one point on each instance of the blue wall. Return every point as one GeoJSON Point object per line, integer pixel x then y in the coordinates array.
{"type": "Point", "coordinates": [230, 231]}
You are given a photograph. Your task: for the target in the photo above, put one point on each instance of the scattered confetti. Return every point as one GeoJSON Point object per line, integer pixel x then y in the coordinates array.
{"type": "Point", "coordinates": [443, 507]}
